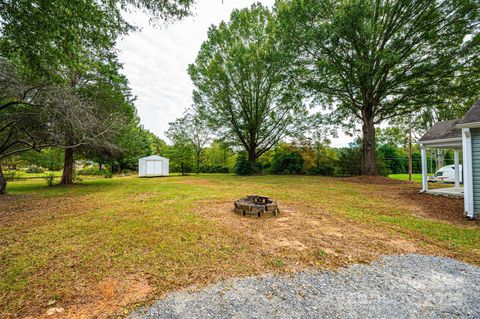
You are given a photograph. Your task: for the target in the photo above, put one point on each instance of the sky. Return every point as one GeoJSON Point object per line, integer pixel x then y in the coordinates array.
{"type": "Point", "coordinates": [155, 61]}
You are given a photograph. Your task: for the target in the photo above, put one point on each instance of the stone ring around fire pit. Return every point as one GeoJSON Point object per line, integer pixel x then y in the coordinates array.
{"type": "Point", "coordinates": [256, 206]}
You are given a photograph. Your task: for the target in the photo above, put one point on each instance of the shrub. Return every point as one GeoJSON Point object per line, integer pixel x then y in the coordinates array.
{"type": "Point", "coordinates": [183, 168]}
{"type": "Point", "coordinates": [324, 170]}
{"type": "Point", "coordinates": [50, 179]}
{"type": "Point", "coordinates": [243, 166]}
{"type": "Point", "coordinates": [383, 167]}
{"type": "Point", "coordinates": [287, 162]}
{"type": "Point", "coordinates": [107, 174]}
{"type": "Point", "coordinates": [350, 161]}
{"type": "Point", "coordinates": [213, 169]}
{"type": "Point", "coordinates": [76, 178]}
{"type": "Point", "coordinates": [389, 161]}
{"type": "Point", "coordinates": [90, 170]}
{"type": "Point", "coordinates": [34, 169]}
{"type": "Point", "coordinates": [10, 175]}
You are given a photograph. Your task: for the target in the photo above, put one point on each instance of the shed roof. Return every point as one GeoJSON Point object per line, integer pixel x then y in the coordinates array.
{"type": "Point", "coordinates": [472, 115]}
{"type": "Point", "coordinates": [443, 130]}
{"type": "Point", "coordinates": [153, 157]}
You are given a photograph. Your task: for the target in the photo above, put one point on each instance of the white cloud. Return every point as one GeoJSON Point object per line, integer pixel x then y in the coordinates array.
{"type": "Point", "coordinates": [155, 60]}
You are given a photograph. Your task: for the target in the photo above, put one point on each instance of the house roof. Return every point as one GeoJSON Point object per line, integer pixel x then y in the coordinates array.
{"type": "Point", "coordinates": [472, 116]}
{"type": "Point", "coordinates": [443, 130]}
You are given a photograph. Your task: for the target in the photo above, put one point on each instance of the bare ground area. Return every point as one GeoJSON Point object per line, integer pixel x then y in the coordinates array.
{"type": "Point", "coordinates": [83, 254]}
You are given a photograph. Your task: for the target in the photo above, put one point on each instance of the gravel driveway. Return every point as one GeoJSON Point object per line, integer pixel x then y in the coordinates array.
{"type": "Point", "coordinates": [407, 286]}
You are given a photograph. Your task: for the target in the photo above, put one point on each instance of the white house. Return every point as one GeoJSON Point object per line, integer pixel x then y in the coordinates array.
{"type": "Point", "coordinates": [460, 135]}
{"type": "Point", "coordinates": [154, 165]}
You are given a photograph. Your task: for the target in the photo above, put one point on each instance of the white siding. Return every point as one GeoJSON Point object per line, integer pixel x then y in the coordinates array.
{"type": "Point", "coordinates": [476, 170]}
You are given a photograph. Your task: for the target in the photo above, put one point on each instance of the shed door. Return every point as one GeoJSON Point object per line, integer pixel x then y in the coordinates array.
{"type": "Point", "coordinates": [158, 167]}
{"type": "Point", "coordinates": [150, 167]}
{"type": "Point", "coordinates": [154, 167]}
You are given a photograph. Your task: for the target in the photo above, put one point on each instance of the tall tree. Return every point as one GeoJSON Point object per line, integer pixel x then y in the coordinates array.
{"type": "Point", "coordinates": [241, 82]}
{"type": "Point", "coordinates": [181, 156]}
{"type": "Point", "coordinates": [373, 60]}
{"type": "Point", "coordinates": [194, 129]}
{"type": "Point", "coordinates": [91, 116]}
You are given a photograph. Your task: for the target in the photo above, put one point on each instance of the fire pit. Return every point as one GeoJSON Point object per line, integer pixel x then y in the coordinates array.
{"type": "Point", "coordinates": [255, 206]}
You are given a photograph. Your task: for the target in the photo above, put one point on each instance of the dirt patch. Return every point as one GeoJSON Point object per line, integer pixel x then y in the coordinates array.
{"type": "Point", "coordinates": [27, 209]}
{"type": "Point", "coordinates": [141, 197]}
{"type": "Point", "coordinates": [405, 245]}
{"type": "Point", "coordinates": [110, 297]}
{"type": "Point", "coordinates": [378, 180]}
{"type": "Point", "coordinates": [305, 236]}
{"type": "Point", "coordinates": [438, 207]}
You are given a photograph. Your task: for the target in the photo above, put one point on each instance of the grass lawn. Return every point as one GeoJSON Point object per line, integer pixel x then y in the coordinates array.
{"type": "Point", "coordinates": [100, 248]}
{"type": "Point", "coordinates": [404, 177]}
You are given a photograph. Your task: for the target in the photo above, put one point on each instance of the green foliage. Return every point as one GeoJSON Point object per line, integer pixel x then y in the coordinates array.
{"type": "Point", "coordinates": [50, 179]}
{"type": "Point", "coordinates": [324, 157]}
{"type": "Point", "coordinates": [372, 61]}
{"type": "Point", "coordinates": [34, 169]}
{"type": "Point", "coordinates": [192, 128]}
{"type": "Point", "coordinates": [133, 142]}
{"type": "Point", "coordinates": [213, 169]}
{"type": "Point", "coordinates": [90, 170]}
{"type": "Point", "coordinates": [10, 175]}
{"type": "Point", "coordinates": [76, 178]}
{"type": "Point", "coordinates": [350, 161]}
{"type": "Point", "coordinates": [68, 34]}
{"type": "Point", "coordinates": [49, 158]}
{"type": "Point", "coordinates": [392, 135]}
{"type": "Point", "coordinates": [243, 166]}
{"type": "Point", "coordinates": [327, 169]}
{"type": "Point", "coordinates": [65, 87]}
{"type": "Point", "coordinates": [107, 174]}
{"type": "Point", "coordinates": [394, 163]}
{"type": "Point", "coordinates": [287, 162]}
{"type": "Point", "coordinates": [242, 84]}
{"type": "Point", "coordinates": [181, 155]}
{"type": "Point", "coordinates": [383, 168]}
{"type": "Point", "coordinates": [219, 154]}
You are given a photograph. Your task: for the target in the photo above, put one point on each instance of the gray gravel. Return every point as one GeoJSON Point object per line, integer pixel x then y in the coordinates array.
{"type": "Point", "coordinates": [407, 286]}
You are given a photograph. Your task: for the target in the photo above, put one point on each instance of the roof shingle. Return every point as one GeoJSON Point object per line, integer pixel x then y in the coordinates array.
{"type": "Point", "coordinates": [443, 130]}
{"type": "Point", "coordinates": [472, 115]}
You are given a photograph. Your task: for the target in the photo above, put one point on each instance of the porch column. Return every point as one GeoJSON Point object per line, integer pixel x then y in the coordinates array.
{"type": "Point", "coordinates": [457, 167]}
{"type": "Point", "coordinates": [424, 169]}
{"type": "Point", "coordinates": [467, 172]}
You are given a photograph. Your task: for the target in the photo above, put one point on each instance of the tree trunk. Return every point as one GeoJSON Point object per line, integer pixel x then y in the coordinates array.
{"type": "Point", "coordinates": [100, 166]}
{"type": "Point", "coordinates": [369, 158]}
{"type": "Point", "coordinates": [252, 156]}
{"type": "Point", "coordinates": [198, 154]}
{"type": "Point", "coordinates": [67, 176]}
{"type": "Point", "coordinates": [439, 158]}
{"type": "Point", "coordinates": [3, 182]}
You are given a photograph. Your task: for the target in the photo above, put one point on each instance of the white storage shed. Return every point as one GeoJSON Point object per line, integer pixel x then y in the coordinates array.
{"type": "Point", "coordinates": [154, 165]}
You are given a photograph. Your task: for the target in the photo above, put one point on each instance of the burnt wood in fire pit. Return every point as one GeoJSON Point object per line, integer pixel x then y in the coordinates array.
{"type": "Point", "coordinates": [255, 206]}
